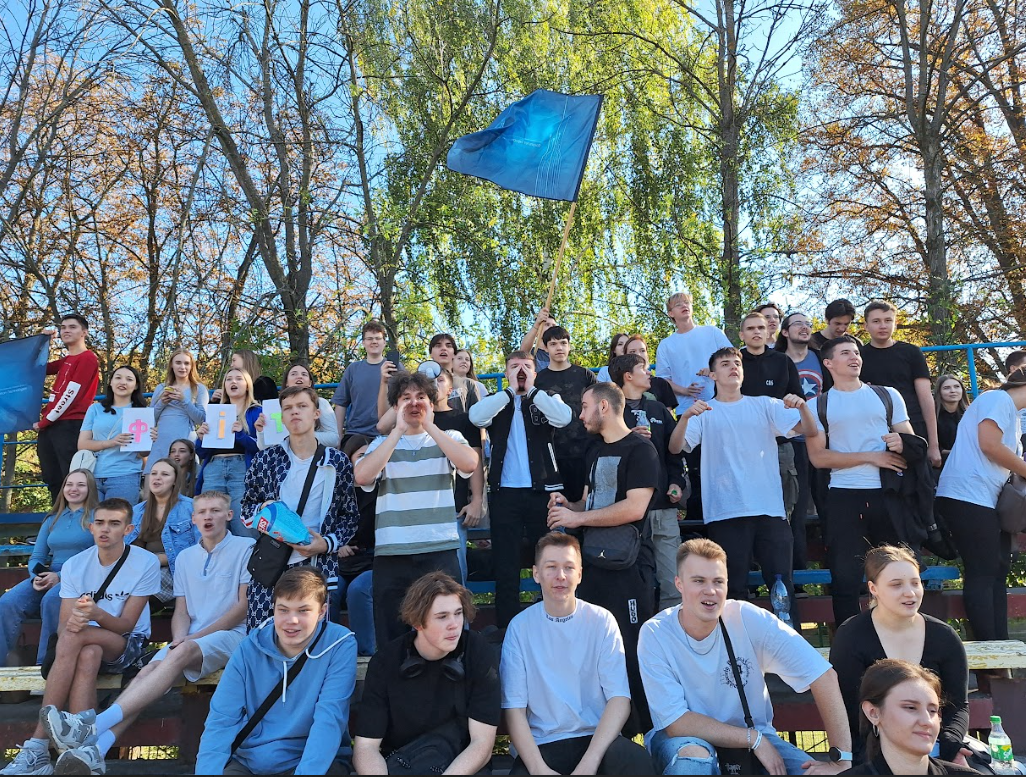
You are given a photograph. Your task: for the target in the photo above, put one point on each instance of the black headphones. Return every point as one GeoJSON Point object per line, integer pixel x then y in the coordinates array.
{"type": "Point", "coordinates": [414, 664]}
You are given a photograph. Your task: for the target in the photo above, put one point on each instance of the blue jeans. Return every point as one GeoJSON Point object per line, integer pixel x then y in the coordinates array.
{"type": "Point", "coordinates": [228, 474]}
{"type": "Point", "coordinates": [121, 487]}
{"type": "Point", "coordinates": [23, 602]}
{"type": "Point", "coordinates": [360, 606]}
{"type": "Point", "coordinates": [665, 753]}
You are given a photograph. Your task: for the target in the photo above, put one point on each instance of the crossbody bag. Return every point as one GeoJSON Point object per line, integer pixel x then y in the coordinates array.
{"type": "Point", "coordinates": [270, 556]}
{"type": "Point", "coordinates": [737, 760]}
{"type": "Point", "coordinates": [51, 644]}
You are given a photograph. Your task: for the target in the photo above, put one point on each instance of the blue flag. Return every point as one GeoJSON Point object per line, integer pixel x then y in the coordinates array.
{"type": "Point", "coordinates": [22, 372]}
{"type": "Point", "coordinates": [538, 146]}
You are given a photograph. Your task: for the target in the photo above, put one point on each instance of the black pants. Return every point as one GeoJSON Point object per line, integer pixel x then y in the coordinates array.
{"type": "Point", "coordinates": [800, 541]}
{"type": "Point", "coordinates": [693, 506]}
{"type": "Point", "coordinates": [761, 537]}
{"type": "Point", "coordinates": [987, 553]}
{"type": "Point", "coordinates": [393, 575]}
{"type": "Point", "coordinates": [858, 522]}
{"type": "Point", "coordinates": [56, 446]}
{"type": "Point", "coordinates": [629, 594]}
{"type": "Point", "coordinates": [574, 474]}
{"type": "Point", "coordinates": [518, 517]}
{"type": "Point", "coordinates": [622, 757]}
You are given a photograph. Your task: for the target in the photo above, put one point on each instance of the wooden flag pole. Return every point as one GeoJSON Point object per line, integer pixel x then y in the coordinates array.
{"type": "Point", "coordinates": [555, 269]}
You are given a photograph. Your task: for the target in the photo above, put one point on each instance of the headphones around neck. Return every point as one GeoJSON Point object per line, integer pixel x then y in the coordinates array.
{"type": "Point", "coordinates": [414, 664]}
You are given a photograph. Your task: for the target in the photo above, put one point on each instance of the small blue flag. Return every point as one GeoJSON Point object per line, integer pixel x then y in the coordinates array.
{"type": "Point", "coordinates": [22, 372]}
{"type": "Point", "coordinates": [538, 146]}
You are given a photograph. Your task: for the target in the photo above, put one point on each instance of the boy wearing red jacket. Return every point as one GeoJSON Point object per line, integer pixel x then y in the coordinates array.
{"type": "Point", "coordinates": [73, 392]}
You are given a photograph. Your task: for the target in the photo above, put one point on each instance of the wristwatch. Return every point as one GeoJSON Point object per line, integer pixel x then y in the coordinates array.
{"type": "Point", "coordinates": [839, 755]}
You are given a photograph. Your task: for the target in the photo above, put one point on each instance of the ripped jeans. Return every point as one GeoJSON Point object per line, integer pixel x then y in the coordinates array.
{"type": "Point", "coordinates": [665, 752]}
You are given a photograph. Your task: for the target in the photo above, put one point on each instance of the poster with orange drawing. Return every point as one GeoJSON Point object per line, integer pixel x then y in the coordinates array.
{"type": "Point", "coordinates": [220, 420]}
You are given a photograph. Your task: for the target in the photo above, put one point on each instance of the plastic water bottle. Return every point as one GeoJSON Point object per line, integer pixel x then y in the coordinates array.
{"type": "Point", "coordinates": [1000, 748]}
{"type": "Point", "coordinates": [642, 417]}
{"type": "Point", "coordinates": [781, 601]}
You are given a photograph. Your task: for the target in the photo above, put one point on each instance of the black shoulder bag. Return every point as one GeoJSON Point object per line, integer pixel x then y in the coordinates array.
{"type": "Point", "coordinates": [275, 693]}
{"type": "Point", "coordinates": [51, 644]}
{"type": "Point", "coordinates": [737, 760]}
{"type": "Point", "coordinates": [271, 557]}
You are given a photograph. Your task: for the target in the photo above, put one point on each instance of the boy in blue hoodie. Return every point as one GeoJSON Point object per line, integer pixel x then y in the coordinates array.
{"type": "Point", "coordinates": [302, 730]}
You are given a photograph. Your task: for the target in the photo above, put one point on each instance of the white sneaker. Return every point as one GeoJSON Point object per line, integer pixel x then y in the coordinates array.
{"type": "Point", "coordinates": [68, 730]}
{"type": "Point", "coordinates": [30, 760]}
{"type": "Point", "coordinates": [81, 760]}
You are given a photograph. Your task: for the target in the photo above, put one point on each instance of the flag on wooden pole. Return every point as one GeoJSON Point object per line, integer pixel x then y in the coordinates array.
{"type": "Point", "coordinates": [537, 146]}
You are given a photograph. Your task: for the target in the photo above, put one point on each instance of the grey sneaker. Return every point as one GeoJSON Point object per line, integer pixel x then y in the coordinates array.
{"type": "Point", "coordinates": [68, 730]}
{"type": "Point", "coordinates": [29, 760]}
{"type": "Point", "coordinates": [81, 760]}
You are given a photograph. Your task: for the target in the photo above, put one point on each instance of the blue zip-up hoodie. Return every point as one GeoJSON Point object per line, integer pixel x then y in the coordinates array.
{"type": "Point", "coordinates": [303, 728]}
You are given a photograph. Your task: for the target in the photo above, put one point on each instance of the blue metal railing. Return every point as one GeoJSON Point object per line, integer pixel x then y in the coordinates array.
{"type": "Point", "coordinates": [500, 379]}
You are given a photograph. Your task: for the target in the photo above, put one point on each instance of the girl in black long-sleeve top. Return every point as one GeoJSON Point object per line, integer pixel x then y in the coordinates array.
{"type": "Point", "coordinates": [895, 628]}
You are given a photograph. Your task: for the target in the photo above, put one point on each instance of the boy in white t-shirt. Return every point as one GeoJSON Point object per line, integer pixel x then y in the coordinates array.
{"type": "Point", "coordinates": [682, 359]}
{"type": "Point", "coordinates": [211, 580]}
{"type": "Point", "coordinates": [693, 695]}
{"type": "Point", "coordinates": [743, 502]}
{"type": "Point", "coordinates": [560, 717]}
{"type": "Point", "coordinates": [856, 445]}
{"type": "Point", "coordinates": [95, 637]}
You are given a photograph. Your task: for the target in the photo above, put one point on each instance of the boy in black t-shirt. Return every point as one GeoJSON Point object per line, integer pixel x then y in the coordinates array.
{"type": "Point", "coordinates": [438, 684]}
{"type": "Point", "coordinates": [623, 473]}
{"type": "Point", "coordinates": [569, 381]}
{"type": "Point", "coordinates": [648, 417]}
{"type": "Point", "coordinates": [902, 366]}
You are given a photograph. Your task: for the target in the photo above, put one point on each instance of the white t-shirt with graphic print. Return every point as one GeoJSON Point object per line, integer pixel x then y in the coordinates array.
{"type": "Point", "coordinates": [682, 674]}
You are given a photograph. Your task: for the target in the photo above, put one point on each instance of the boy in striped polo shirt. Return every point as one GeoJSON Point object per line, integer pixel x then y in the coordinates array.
{"type": "Point", "coordinates": [413, 467]}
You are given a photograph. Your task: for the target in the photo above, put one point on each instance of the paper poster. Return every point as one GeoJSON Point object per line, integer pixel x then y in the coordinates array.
{"type": "Point", "coordinates": [220, 419]}
{"type": "Point", "coordinates": [137, 422]}
{"type": "Point", "coordinates": [274, 430]}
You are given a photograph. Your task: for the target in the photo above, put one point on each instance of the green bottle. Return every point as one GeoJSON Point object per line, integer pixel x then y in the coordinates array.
{"type": "Point", "coordinates": [1000, 746]}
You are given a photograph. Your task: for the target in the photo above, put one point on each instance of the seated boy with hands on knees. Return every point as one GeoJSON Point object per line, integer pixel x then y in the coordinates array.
{"type": "Point", "coordinates": [104, 623]}
{"type": "Point", "coordinates": [564, 677]}
{"type": "Point", "coordinates": [208, 625]}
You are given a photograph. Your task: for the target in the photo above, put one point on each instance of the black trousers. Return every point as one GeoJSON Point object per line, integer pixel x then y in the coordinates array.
{"type": "Point", "coordinates": [693, 506]}
{"type": "Point", "coordinates": [393, 575]}
{"type": "Point", "coordinates": [574, 475]}
{"type": "Point", "coordinates": [800, 541]}
{"type": "Point", "coordinates": [987, 554]}
{"type": "Point", "coordinates": [622, 757]}
{"type": "Point", "coordinates": [763, 538]}
{"type": "Point", "coordinates": [629, 594]}
{"type": "Point", "coordinates": [858, 522]}
{"type": "Point", "coordinates": [56, 446]}
{"type": "Point", "coordinates": [519, 519]}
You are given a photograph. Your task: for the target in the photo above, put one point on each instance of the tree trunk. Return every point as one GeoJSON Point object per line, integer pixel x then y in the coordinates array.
{"type": "Point", "coordinates": [729, 137]}
{"type": "Point", "coordinates": [938, 302]}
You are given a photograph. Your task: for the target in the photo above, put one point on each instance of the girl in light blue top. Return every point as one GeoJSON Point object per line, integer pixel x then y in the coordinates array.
{"type": "Point", "coordinates": [163, 523]}
{"type": "Point", "coordinates": [178, 404]}
{"type": "Point", "coordinates": [64, 532]}
{"type": "Point", "coordinates": [117, 472]}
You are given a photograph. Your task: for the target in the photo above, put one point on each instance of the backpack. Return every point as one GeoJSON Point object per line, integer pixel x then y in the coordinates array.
{"type": "Point", "coordinates": [880, 391]}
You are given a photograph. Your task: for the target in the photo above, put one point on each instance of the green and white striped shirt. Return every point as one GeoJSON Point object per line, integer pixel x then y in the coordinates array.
{"type": "Point", "coordinates": [416, 511]}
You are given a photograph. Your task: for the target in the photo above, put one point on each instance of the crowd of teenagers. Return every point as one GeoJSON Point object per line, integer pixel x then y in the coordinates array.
{"type": "Point", "coordinates": [582, 479]}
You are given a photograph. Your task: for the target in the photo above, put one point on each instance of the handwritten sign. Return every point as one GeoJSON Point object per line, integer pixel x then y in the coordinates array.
{"type": "Point", "coordinates": [138, 421]}
{"type": "Point", "coordinates": [220, 419]}
{"type": "Point", "coordinates": [274, 430]}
